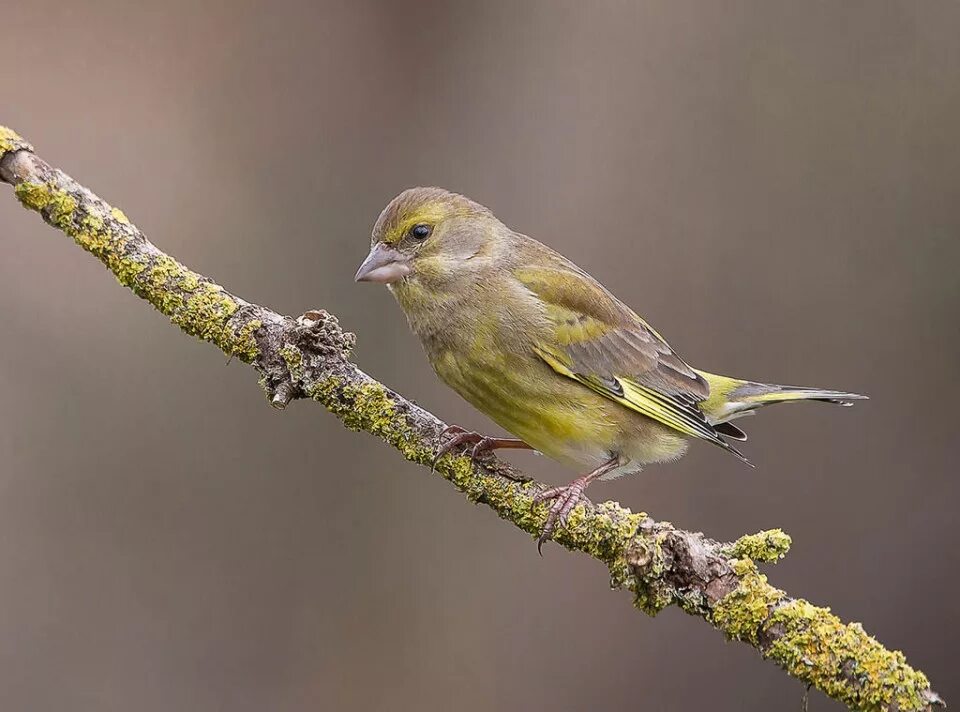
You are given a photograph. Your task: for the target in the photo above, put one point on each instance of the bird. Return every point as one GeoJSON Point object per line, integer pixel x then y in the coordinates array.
{"type": "Point", "coordinates": [547, 352]}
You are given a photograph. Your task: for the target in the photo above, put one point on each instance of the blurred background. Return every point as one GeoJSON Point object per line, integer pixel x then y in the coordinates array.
{"type": "Point", "coordinates": [774, 184]}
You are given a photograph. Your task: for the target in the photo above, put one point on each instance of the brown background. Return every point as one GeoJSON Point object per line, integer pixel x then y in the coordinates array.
{"type": "Point", "coordinates": [775, 185]}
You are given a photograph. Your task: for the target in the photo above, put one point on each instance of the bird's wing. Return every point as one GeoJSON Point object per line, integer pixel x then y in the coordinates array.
{"type": "Point", "coordinates": [595, 339]}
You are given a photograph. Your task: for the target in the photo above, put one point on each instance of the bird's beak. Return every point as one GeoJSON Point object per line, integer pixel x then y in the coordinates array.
{"type": "Point", "coordinates": [383, 265]}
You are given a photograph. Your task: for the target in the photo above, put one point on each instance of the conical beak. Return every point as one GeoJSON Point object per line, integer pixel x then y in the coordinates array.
{"type": "Point", "coordinates": [383, 265]}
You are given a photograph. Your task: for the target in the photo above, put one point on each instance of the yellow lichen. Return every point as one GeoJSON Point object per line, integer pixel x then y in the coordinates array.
{"type": "Point", "coordinates": [370, 407]}
{"type": "Point", "coordinates": [647, 559]}
{"type": "Point", "coordinates": [365, 407]}
{"type": "Point", "coordinates": [842, 660]}
{"type": "Point", "coordinates": [816, 647]}
{"type": "Point", "coordinates": [10, 140]}
{"type": "Point", "coordinates": [767, 546]}
{"type": "Point", "coordinates": [206, 312]}
{"type": "Point", "coordinates": [196, 305]}
{"type": "Point", "coordinates": [87, 229]}
{"type": "Point", "coordinates": [34, 196]}
{"type": "Point", "coordinates": [189, 282]}
{"type": "Point", "coordinates": [294, 360]}
{"type": "Point", "coordinates": [742, 612]}
{"type": "Point", "coordinates": [61, 209]}
{"type": "Point", "coordinates": [241, 343]}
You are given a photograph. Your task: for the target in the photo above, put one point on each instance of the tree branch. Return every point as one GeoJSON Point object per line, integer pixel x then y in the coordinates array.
{"type": "Point", "coordinates": [309, 357]}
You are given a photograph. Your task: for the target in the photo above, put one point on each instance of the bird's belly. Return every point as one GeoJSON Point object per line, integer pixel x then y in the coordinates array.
{"type": "Point", "coordinates": [552, 414]}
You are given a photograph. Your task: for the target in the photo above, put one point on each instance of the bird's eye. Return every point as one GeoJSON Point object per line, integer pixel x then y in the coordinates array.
{"type": "Point", "coordinates": [420, 232]}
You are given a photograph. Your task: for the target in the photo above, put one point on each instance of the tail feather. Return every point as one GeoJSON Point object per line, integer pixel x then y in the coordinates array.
{"type": "Point", "coordinates": [732, 398]}
{"type": "Point", "coordinates": [762, 394]}
{"type": "Point", "coordinates": [730, 430]}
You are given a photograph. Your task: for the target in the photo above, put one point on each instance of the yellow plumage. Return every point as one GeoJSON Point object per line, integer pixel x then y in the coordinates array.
{"type": "Point", "coordinates": [545, 350]}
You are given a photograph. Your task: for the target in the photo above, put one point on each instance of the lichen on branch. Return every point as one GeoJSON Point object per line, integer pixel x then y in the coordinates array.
{"type": "Point", "coordinates": [193, 302]}
{"type": "Point", "coordinates": [309, 357]}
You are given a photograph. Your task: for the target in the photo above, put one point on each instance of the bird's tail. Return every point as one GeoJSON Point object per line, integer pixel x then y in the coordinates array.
{"type": "Point", "coordinates": [731, 398]}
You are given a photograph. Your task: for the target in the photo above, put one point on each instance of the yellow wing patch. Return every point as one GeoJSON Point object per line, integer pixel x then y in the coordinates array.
{"type": "Point", "coordinates": [684, 417]}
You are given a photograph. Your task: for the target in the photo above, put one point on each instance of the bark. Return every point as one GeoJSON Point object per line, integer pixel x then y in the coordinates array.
{"type": "Point", "coordinates": [309, 357]}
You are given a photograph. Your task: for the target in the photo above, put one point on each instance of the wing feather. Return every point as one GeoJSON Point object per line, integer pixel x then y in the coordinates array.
{"type": "Point", "coordinates": [598, 341]}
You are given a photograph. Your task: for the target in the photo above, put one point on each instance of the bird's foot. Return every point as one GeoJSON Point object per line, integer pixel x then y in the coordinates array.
{"type": "Point", "coordinates": [564, 500]}
{"type": "Point", "coordinates": [465, 438]}
{"type": "Point", "coordinates": [568, 497]}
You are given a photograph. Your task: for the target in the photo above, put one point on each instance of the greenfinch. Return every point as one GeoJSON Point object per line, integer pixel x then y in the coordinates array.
{"type": "Point", "coordinates": [546, 352]}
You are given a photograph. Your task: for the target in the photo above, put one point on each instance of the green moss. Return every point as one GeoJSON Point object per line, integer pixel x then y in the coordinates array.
{"type": "Point", "coordinates": [767, 546]}
{"type": "Point", "coordinates": [742, 612]}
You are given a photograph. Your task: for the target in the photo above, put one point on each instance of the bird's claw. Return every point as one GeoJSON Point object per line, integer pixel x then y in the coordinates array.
{"type": "Point", "coordinates": [565, 499]}
{"type": "Point", "coordinates": [444, 448]}
{"type": "Point", "coordinates": [460, 438]}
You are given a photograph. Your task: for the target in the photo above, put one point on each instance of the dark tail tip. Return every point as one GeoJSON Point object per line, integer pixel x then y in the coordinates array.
{"type": "Point", "coordinates": [733, 451]}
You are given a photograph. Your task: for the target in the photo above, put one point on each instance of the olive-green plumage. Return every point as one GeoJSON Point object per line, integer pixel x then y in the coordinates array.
{"type": "Point", "coordinates": [544, 349]}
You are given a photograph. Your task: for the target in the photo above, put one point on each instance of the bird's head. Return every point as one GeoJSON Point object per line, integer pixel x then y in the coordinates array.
{"type": "Point", "coordinates": [432, 239]}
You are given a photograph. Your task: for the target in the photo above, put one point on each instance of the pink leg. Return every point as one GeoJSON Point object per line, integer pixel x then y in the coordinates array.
{"type": "Point", "coordinates": [481, 443]}
{"type": "Point", "coordinates": [566, 498]}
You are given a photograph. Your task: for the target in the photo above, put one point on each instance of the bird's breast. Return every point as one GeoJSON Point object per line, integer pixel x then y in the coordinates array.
{"type": "Point", "coordinates": [504, 379]}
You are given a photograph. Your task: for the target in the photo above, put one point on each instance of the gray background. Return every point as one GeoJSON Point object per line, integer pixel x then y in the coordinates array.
{"type": "Point", "coordinates": [774, 184]}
